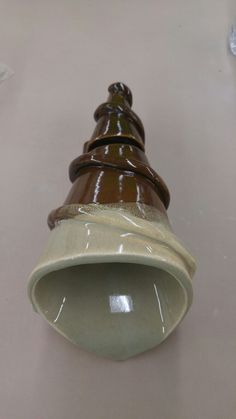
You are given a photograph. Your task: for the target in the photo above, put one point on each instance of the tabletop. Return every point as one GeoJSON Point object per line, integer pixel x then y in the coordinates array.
{"type": "Point", "coordinates": [58, 57]}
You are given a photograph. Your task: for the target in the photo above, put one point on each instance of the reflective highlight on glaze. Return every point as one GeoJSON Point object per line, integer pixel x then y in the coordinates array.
{"type": "Point", "coordinates": [121, 303]}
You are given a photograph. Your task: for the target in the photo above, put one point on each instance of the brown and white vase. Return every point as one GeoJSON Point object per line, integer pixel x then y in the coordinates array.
{"type": "Point", "coordinates": [113, 278]}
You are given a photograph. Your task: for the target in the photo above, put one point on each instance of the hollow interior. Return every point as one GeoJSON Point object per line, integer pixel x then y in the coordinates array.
{"type": "Point", "coordinates": [113, 309]}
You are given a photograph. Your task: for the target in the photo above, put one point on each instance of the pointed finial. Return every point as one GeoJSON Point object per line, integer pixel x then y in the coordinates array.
{"type": "Point", "coordinates": [116, 122]}
{"type": "Point", "coordinates": [121, 90]}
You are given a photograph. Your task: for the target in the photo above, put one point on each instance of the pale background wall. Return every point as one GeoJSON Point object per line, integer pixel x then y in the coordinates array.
{"type": "Point", "coordinates": [173, 55]}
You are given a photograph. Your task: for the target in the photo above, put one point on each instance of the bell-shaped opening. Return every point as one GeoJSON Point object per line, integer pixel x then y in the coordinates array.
{"type": "Point", "coordinates": [113, 309]}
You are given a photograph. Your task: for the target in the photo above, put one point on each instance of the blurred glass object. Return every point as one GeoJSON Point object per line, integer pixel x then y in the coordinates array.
{"type": "Point", "coordinates": [232, 40]}
{"type": "Point", "coordinates": [5, 72]}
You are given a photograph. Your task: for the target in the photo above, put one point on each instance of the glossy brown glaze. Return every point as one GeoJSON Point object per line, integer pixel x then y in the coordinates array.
{"type": "Point", "coordinates": [121, 157]}
{"type": "Point", "coordinates": [120, 186]}
{"type": "Point", "coordinates": [97, 185]}
{"type": "Point", "coordinates": [114, 167]}
{"type": "Point", "coordinates": [116, 122]}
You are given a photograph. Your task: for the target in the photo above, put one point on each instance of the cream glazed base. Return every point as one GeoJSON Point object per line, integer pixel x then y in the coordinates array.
{"type": "Point", "coordinates": [113, 279]}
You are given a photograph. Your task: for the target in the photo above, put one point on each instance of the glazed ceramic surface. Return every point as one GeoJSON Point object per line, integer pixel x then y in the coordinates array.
{"type": "Point", "coordinates": [113, 279]}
